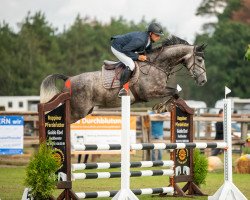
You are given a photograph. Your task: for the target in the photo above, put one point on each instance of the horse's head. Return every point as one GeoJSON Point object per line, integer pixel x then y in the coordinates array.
{"type": "Point", "coordinates": [175, 51]}
{"type": "Point", "coordinates": [195, 64]}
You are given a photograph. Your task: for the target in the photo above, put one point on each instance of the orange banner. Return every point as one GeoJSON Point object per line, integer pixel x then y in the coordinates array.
{"type": "Point", "coordinates": [102, 123]}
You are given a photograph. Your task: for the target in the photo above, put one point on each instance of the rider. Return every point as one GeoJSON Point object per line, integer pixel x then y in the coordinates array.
{"type": "Point", "coordinates": [131, 46]}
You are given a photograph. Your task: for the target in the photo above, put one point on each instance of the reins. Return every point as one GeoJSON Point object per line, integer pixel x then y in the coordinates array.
{"type": "Point", "coordinates": [168, 71]}
{"type": "Point", "coordinates": [153, 64]}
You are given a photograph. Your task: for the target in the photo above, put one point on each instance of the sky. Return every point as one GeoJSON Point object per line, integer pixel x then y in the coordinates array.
{"type": "Point", "coordinates": [178, 16]}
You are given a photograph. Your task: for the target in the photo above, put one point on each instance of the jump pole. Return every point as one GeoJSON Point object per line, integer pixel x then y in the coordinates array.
{"type": "Point", "coordinates": [228, 191]}
{"type": "Point", "coordinates": [125, 193]}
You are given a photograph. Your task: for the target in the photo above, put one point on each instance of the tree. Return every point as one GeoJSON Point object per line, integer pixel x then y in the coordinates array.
{"type": "Point", "coordinates": [37, 54]}
{"type": "Point", "coordinates": [224, 57]}
{"type": "Point", "coordinates": [211, 7]}
{"type": "Point", "coordinates": [8, 49]}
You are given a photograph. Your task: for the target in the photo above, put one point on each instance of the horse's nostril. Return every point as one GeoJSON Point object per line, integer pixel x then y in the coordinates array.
{"type": "Point", "coordinates": [203, 82]}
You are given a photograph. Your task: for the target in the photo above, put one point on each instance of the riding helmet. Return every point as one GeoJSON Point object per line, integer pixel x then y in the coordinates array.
{"type": "Point", "coordinates": [155, 28]}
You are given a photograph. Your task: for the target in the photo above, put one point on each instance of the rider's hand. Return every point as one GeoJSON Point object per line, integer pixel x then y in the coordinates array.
{"type": "Point", "coordinates": [142, 58]}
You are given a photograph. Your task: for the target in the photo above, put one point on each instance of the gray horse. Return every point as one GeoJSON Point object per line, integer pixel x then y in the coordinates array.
{"type": "Point", "coordinates": [87, 89]}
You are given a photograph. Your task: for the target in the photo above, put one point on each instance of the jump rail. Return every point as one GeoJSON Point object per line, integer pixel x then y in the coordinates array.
{"type": "Point", "coordinates": [227, 191]}
{"type": "Point", "coordinates": [85, 195]}
{"type": "Point", "coordinates": [149, 146]}
{"type": "Point", "coordinates": [141, 164]}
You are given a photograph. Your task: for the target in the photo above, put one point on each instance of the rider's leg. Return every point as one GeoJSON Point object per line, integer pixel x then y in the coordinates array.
{"type": "Point", "coordinates": [125, 76]}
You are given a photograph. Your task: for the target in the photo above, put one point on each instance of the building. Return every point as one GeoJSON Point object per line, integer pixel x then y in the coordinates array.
{"type": "Point", "coordinates": [19, 103]}
{"type": "Point", "coordinates": [240, 105]}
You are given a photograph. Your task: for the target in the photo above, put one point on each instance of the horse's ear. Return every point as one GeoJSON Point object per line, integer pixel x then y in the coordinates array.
{"type": "Point", "coordinates": [201, 47]}
{"type": "Point", "coordinates": [204, 46]}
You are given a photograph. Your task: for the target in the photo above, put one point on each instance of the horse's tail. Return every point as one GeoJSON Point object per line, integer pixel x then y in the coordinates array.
{"type": "Point", "coordinates": [48, 87]}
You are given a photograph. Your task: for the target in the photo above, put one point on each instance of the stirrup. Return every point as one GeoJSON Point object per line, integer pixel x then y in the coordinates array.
{"type": "Point", "coordinates": [122, 92]}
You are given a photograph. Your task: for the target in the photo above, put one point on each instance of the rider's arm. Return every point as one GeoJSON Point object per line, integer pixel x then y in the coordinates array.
{"type": "Point", "coordinates": [132, 46]}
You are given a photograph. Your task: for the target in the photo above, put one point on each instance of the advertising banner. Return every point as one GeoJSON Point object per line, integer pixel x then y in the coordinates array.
{"type": "Point", "coordinates": [11, 135]}
{"type": "Point", "coordinates": [100, 130]}
{"type": "Point", "coordinates": [182, 135]}
{"type": "Point", "coordinates": [55, 131]}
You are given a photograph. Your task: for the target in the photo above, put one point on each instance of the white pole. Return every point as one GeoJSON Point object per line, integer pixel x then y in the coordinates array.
{"type": "Point", "coordinates": [228, 191]}
{"type": "Point", "coordinates": [125, 143]}
{"type": "Point", "coordinates": [228, 139]}
{"type": "Point", "coordinates": [125, 193]}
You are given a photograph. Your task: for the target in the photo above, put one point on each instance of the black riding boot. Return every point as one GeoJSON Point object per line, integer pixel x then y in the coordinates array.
{"type": "Point", "coordinates": [125, 76]}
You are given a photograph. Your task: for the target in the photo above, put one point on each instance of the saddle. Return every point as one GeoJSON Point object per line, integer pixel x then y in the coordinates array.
{"type": "Point", "coordinates": [111, 73]}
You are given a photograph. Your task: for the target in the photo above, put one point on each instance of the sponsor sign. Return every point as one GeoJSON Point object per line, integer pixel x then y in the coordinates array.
{"type": "Point", "coordinates": [55, 131]}
{"type": "Point", "coordinates": [100, 130]}
{"type": "Point", "coordinates": [182, 135]}
{"type": "Point", "coordinates": [11, 135]}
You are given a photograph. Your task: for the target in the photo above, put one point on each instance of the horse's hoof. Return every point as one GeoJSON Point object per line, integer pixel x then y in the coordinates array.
{"type": "Point", "coordinates": [122, 92]}
{"type": "Point", "coordinates": [162, 109]}
{"type": "Point", "coordinates": [156, 107]}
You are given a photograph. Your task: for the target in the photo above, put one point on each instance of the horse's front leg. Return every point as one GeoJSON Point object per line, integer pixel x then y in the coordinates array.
{"type": "Point", "coordinates": [172, 95]}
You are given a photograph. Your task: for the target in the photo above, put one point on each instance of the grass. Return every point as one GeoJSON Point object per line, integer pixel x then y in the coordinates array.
{"type": "Point", "coordinates": [11, 184]}
{"type": "Point", "coordinates": [12, 178]}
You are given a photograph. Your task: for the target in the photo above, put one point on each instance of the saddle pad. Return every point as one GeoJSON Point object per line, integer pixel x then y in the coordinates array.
{"type": "Point", "coordinates": [113, 76]}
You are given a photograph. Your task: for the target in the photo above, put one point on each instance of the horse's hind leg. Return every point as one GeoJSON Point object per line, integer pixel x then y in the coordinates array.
{"type": "Point", "coordinates": [91, 110]}
{"type": "Point", "coordinates": [79, 112]}
{"type": "Point", "coordinates": [168, 105]}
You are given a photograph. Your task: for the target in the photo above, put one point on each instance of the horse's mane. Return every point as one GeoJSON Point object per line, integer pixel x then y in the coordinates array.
{"type": "Point", "coordinates": [170, 41]}
{"type": "Point", "coordinates": [173, 40]}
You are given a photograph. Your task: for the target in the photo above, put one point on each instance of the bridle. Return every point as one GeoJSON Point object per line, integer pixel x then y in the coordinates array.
{"type": "Point", "coordinates": [168, 71]}
{"type": "Point", "coordinates": [194, 64]}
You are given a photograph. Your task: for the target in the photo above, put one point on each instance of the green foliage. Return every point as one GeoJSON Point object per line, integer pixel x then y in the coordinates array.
{"type": "Point", "coordinates": [232, 6]}
{"type": "Point", "coordinates": [40, 172]}
{"type": "Point", "coordinates": [246, 150]}
{"type": "Point", "coordinates": [225, 63]}
{"type": "Point", "coordinates": [247, 55]}
{"type": "Point", "coordinates": [200, 168]}
{"type": "Point", "coordinates": [210, 7]}
{"type": "Point", "coordinates": [224, 58]}
{"type": "Point", "coordinates": [8, 40]}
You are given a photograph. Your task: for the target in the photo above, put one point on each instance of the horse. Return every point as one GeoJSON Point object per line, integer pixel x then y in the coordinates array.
{"type": "Point", "coordinates": [87, 89]}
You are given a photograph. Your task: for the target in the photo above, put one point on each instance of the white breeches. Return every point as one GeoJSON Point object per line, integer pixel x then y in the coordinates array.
{"type": "Point", "coordinates": [124, 59]}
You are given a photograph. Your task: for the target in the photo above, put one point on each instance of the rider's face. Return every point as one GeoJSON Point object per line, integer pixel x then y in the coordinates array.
{"type": "Point", "coordinates": [154, 37]}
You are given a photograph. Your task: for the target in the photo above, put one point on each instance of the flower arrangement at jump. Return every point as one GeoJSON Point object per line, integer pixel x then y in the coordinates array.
{"type": "Point", "coordinates": [200, 167]}
{"type": "Point", "coordinates": [41, 173]}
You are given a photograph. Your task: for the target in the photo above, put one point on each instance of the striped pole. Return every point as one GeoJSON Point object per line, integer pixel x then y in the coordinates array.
{"type": "Point", "coordinates": [228, 190]}
{"type": "Point", "coordinates": [97, 175]}
{"type": "Point", "coordinates": [85, 195]}
{"type": "Point", "coordinates": [228, 139]}
{"type": "Point", "coordinates": [125, 193]}
{"type": "Point", "coordinates": [198, 145]}
{"type": "Point", "coordinates": [150, 146]}
{"type": "Point", "coordinates": [141, 164]}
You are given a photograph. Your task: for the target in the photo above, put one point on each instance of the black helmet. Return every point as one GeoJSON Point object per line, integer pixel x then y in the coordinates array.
{"type": "Point", "coordinates": [155, 28]}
